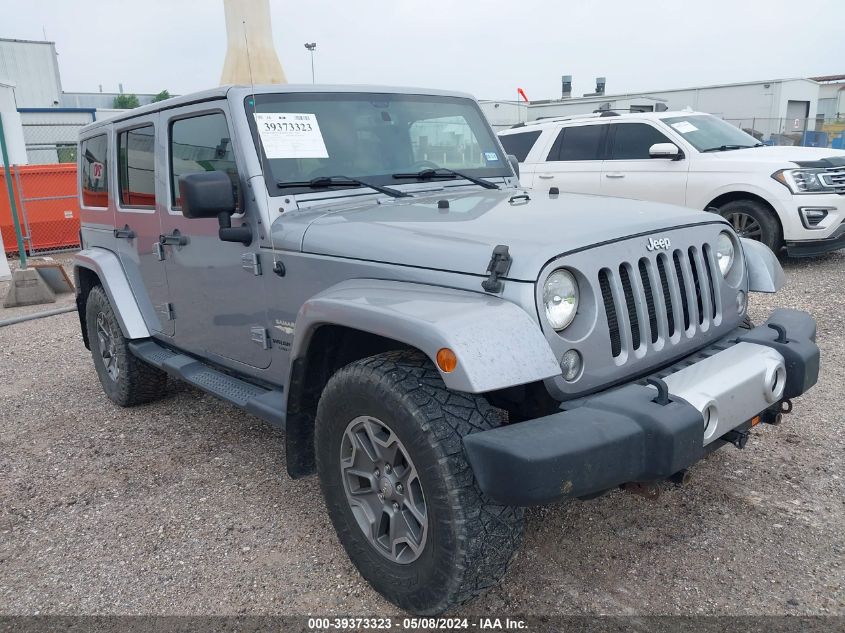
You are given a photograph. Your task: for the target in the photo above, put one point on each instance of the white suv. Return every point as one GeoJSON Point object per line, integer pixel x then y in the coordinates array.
{"type": "Point", "coordinates": [782, 196]}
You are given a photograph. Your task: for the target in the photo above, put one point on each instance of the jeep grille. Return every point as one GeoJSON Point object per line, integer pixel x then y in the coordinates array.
{"type": "Point", "coordinates": [658, 295]}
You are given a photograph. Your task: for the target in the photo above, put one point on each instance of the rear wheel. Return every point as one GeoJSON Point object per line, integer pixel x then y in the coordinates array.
{"type": "Point", "coordinates": [125, 379]}
{"type": "Point", "coordinates": [398, 488]}
{"type": "Point", "coordinates": [753, 220]}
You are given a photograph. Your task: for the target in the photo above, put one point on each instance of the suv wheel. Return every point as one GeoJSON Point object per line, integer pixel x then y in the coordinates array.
{"type": "Point", "coordinates": [125, 379]}
{"type": "Point", "coordinates": [398, 488]}
{"type": "Point", "coordinates": [753, 220]}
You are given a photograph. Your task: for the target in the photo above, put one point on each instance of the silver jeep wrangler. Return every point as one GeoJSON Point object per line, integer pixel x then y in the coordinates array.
{"type": "Point", "coordinates": [361, 267]}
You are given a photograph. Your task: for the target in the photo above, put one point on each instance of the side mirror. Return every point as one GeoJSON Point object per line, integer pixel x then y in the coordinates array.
{"type": "Point", "coordinates": [209, 194]}
{"type": "Point", "coordinates": [665, 150]}
{"type": "Point", "coordinates": [514, 163]}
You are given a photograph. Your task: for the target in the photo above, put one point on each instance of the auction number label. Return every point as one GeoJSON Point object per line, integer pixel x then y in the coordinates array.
{"type": "Point", "coordinates": [290, 135]}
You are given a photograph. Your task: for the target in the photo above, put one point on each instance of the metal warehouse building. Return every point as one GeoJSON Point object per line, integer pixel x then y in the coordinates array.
{"type": "Point", "coordinates": [779, 111]}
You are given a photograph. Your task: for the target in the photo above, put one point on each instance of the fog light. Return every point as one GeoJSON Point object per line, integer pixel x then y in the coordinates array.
{"type": "Point", "coordinates": [570, 365]}
{"type": "Point", "coordinates": [741, 302]}
{"type": "Point", "coordinates": [811, 217]}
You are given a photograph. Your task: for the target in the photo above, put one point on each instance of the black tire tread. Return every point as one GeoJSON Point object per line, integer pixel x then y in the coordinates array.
{"type": "Point", "coordinates": [772, 234]}
{"type": "Point", "coordinates": [488, 533]}
{"type": "Point", "coordinates": [138, 382]}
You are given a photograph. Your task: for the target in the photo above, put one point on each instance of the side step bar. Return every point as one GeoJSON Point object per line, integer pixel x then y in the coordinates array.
{"type": "Point", "coordinates": [267, 404]}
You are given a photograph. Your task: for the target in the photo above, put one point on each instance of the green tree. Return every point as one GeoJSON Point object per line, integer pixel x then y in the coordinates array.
{"type": "Point", "coordinates": [161, 96]}
{"type": "Point", "coordinates": [125, 102]}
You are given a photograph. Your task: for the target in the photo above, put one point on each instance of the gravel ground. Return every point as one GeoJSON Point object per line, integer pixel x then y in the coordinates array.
{"type": "Point", "coordinates": [184, 506]}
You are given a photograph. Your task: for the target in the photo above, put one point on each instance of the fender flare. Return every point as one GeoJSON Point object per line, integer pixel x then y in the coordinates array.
{"type": "Point", "coordinates": [765, 273]}
{"type": "Point", "coordinates": [497, 343]}
{"type": "Point", "coordinates": [106, 265]}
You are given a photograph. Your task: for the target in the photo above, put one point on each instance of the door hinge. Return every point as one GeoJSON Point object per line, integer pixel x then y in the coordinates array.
{"type": "Point", "coordinates": [167, 310]}
{"type": "Point", "coordinates": [261, 336]}
{"type": "Point", "coordinates": [251, 261]}
{"type": "Point", "coordinates": [158, 249]}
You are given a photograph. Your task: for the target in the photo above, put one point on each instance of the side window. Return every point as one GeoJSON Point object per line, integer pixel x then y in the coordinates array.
{"type": "Point", "coordinates": [94, 166]}
{"type": "Point", "coordinates": [201, 143]}
{"type": "Point", "coordinates": [631, 141]}
{"type": "Point", "coordinates": [583, 142]}
{"type": "Point", "coordinates": [136, 167]}
{"type": "Point", "coordinates": [519, 144]}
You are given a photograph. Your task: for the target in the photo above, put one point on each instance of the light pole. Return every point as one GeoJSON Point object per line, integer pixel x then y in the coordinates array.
{"type": "Point", "coordinates": [311, 48]}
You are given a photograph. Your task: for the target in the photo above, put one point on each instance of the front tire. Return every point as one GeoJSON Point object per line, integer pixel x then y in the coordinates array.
{"type": "Point", "coordinates": [391, 463]}
{"type": "Point", "coordinates": [126, 380]}
{"type": "Point", "coordinates": [753, 220]}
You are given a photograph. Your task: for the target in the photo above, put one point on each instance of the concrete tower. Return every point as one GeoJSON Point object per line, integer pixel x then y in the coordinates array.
{"type": "Point", "coordinates": [248, 24]}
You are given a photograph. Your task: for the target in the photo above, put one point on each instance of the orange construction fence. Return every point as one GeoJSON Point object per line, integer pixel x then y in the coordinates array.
{"type": "Point", "coordinates": [48, 207]}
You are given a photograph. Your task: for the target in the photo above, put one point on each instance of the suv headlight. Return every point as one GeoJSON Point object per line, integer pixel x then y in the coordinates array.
{"type": "Point", "coordinates": [802, 180]}
{"type": "Point", "coordinates": [560, 298]}
{"type": "Point", "coordinates": [725, 253]}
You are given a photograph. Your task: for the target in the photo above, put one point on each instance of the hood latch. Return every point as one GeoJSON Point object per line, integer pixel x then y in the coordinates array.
{"type": "Point", "coordinates": [500, 264]}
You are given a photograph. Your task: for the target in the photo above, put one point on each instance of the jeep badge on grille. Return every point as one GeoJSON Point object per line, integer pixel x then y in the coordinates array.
{"type": "Point", "coordinates": [662, 244]}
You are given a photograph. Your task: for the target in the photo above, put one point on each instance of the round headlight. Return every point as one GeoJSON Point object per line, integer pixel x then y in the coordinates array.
{"type": "Point", "coordinates": [725, 253]}
{"type": "Point", "coordinates": [560, 298]}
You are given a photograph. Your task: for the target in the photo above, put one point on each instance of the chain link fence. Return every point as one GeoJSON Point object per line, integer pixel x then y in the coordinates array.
{"type": "Point", "coordinates": [795, 132]}
{"type": "Point", "coordinates": [45, 190]}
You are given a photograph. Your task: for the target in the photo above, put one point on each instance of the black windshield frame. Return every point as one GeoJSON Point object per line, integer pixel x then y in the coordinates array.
{"type": "Point", "coordinates": [485, 138]}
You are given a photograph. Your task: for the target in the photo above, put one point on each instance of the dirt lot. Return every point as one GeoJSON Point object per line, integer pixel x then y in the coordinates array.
{"type": "Point", "coordinates": [184, 506]}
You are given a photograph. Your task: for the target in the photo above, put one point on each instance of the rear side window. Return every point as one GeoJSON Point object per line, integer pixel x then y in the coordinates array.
{"type": "Point", "coordinates": [584, 142]}
{"type": "Point", "coordinates": [200, 143]}
{"type": "Point", "coordinates": [631, 141]}
{"type": "Point", "coordinates": [519, 144]}
{"type": "Point", "coordinates": [136, 167]}
{"type": "Point", "coordinates": [94, 165]}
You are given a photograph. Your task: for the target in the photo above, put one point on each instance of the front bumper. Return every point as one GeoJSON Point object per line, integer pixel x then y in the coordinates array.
{"type": "Point", "coordinates": [812, 248]}
{"type": "Point", "coordinates": [628, 435]}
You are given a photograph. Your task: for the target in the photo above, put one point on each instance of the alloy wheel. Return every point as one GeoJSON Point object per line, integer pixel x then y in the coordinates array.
{"type": "Point", "coordinates": [383, 489]}
{"type": "Point", "coordinates": [107, 346]}
{"type": "Point", "coordinates": [745, 225]}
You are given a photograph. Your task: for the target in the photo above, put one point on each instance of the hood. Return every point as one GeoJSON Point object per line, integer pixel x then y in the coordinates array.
{"type": "Point", "coordinates": [461, 238]}
{"type": "Point", "coordinates": [786, 154]}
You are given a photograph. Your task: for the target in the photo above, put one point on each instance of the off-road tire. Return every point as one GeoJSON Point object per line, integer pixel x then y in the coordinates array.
{"type": "Point", "coordinates": [770, 231]}
{"type": "Point", "coordinates": [136, 381]}
{"type": "Point", "coordinates": [471, 540]}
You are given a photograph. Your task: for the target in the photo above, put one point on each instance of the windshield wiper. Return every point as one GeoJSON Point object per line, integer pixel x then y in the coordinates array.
{"type": "Point", "coordinates": [443, 172]}
{"type": "Point", "coordinates": [724, 148]}
{"type": "Point", "coordinates": [324, 182]}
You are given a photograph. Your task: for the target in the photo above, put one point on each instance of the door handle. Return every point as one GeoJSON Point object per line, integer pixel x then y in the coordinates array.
{"type": "Point", "coordinates": [124, 233]}
{"type": "Point", "coordinates": [174, 239]}
{"type": "Point", "coordinates": [614, 175]}
{"type": "Point", "coordinates": [545, 176]}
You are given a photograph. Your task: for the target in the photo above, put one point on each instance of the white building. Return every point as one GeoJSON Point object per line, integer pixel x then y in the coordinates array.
{"type": "Point", "coordinates": [768, 107]}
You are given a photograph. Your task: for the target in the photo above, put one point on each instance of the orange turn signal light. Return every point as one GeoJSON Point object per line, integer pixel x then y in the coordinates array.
{"type": "Point", "coordinates": [446, 360]}
{"type": "Point", "coordinates": [755, 420]}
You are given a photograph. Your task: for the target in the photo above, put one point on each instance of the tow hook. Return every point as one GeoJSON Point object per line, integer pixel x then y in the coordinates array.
{"type": "Point", "coordinates": [737, 438]}
{"type": "Point", "coordinates": [774, 415]}
{"type": "Point", "coordinates": [649, 490]}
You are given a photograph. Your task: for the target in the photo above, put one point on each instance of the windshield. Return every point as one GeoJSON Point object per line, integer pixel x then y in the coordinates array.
{"type": "Point", "coordinates": [369, 136]}
{"type": "Point", "coordinates": [709, 133]}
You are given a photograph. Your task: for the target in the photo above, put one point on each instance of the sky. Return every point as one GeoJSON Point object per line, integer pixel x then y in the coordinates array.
{"type": "Point", "coordinates": [485, 47]}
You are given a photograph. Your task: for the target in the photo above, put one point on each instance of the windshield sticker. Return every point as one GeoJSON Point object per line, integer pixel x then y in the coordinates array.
{"type": "Point", "coordinates": [491, 156]}
{"type": "Point", "coordinates": [684, 127]}
{"type": "Point", "coordinates": [290, 135]}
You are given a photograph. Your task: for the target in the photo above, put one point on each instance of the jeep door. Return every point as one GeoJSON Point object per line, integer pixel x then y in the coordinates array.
{"type": "Point", "coordinates": [215, 289]}
{"type": "Point", "coordinates": [630, 172]}
{"type": "Point", "coordinates": [574, 160]}
{"type": "Point", "coordinates": [137, 218]}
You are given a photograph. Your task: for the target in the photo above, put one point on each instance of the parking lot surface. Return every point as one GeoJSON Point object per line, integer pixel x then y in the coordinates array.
{"type": "Point", "coordinates": [184, 506]}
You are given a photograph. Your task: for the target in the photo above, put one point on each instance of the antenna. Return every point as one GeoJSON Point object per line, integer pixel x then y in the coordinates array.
{"type": "Point", "coordinates": [261, 156]}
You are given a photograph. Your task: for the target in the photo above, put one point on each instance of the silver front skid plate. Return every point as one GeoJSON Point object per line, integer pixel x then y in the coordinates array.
{"type": "Point", "coordinates": [731, 387]}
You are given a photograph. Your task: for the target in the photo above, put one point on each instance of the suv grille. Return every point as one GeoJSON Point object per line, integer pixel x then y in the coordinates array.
{"type": "Point", "coordinates": [834, 177]}
{"type": "Point", "coordinates": [657, 296]}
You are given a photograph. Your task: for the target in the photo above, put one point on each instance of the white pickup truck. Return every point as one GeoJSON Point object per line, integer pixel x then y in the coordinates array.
{"type": "Point", "coordinates": [781, 196]}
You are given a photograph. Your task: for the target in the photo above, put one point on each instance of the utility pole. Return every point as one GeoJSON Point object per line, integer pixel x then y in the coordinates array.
{"type": "Point", "coordinates": [11, 192]}
{"type": "Point", "coordinates": [311, 48]}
